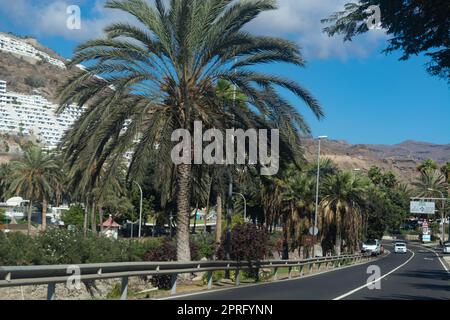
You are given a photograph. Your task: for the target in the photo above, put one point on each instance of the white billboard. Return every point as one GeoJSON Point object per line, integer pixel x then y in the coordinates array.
{"type": "Point", "coordinates": [422, 207]}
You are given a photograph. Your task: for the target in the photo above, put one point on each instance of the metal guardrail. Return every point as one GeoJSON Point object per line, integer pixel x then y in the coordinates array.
{"type": "Point", "coordinates": [13, 276]}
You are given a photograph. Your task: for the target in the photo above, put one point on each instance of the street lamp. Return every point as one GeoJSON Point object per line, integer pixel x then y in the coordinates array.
{"type": "Point", "coordinates": [443, 212]}
{"type": "Point", "coordinates": [317, 193]}
{"type": "Point", "coordinates": [245, 204]}
{"type": "Point", "coordinates": [140, 210]}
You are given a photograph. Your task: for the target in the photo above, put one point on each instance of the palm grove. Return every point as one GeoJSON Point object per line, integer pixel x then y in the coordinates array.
{"type": "Point", "coordinates": [193, 61]}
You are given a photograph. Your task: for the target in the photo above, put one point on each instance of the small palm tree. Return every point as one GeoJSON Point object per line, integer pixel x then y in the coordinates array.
{"type": "Point", "coordinates": [430, 182]}
{"type": "Point", "coordinates": [33, 177]}
{"type": "Point", "coordinates": [151, 79]}
{"type": "Point", "coordinates": [342, 199]}
{"type": "Point", "coordinates": [426, 165]}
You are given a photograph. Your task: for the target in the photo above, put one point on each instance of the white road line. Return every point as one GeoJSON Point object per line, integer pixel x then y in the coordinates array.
{"type": "Point", "coordinates": [439, 258]}
{"type": "Point", "coordinates": [375, 281]}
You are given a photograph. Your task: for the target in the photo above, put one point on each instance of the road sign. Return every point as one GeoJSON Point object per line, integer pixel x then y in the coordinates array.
{"type": "Point", "coordinates": [426, 238]}
{"type": "Point", "coordinates": [313, 231]}
{"type": "Point", "coordinates": [422, 207]}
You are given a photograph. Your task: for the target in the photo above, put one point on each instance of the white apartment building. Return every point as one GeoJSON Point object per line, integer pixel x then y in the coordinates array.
{"type": "Point", "coordinates": [33, 114]}
{"type": "Point", "coordinates": [11, 45]}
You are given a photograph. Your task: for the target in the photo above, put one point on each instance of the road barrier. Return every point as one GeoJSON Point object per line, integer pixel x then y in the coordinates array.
{"type": "Point", "coordinates": [13, 276]}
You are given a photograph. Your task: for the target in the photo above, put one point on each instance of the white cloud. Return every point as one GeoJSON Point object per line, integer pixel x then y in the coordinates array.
{"type": "Point", "coordinates": [297, 19]}
{"type": "Point", "coordinates": [300, 19]}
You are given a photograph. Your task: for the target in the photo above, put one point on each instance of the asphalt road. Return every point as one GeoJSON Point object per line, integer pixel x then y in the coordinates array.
{"type": "Point", "coordinates": [416, 275]}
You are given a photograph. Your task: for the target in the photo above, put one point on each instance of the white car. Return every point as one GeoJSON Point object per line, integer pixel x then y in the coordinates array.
{"type": "Point", "coordinates": [400, 247]}
{"type": "Point", "coordinates": [446, 247]}
{"type": "Point", "coordinates": [373, 246]}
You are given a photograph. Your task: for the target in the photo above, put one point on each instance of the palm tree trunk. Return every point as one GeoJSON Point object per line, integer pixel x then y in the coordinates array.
{"type": "Point", "coordinates": [208, 204]}
{"type": "Point", "coordinates": [183, 214]}
{"type": "Point", "coordinates": [44, 214]}
{"type": "Point", "coordinates": [219, 219]}
{"type": "Point", "coordinates": [195, 217]}
{"type": "Point", "coordinates": [85, 220]}
{"type": "Point", "coordinates": [93, 220]}
{"type": "Point", "coordinates": [30, 210]}
{"type": "Point", "coordinates": [100, 216]}
{"type": "Point", "coordinates": [338, 244]}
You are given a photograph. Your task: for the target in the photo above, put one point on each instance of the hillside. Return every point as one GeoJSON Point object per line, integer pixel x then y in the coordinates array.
{"type": "Point", "coordinates": [401, 158]}
{"type": "Point", "coordinates": [17, 71]}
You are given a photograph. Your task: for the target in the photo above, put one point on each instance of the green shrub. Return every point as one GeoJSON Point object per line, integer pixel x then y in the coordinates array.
{"type": "Point", "coordinates": [205, 244]}
{"type": "Point", "coordinates": [17, 249]}
{"type": "Point", "coordinates": [60, 246]}
{"type": "Point", "coordinates": [74, 216]}
{"type": "Point", "coordinates": [35, 81]}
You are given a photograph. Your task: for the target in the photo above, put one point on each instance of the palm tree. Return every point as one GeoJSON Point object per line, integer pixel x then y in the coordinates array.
{"type": "Point", "coordinates": [343, 197]}
{"type": "Point", "coordinates": [428, 164]}
{"type": "Point", "coordinates": [34, 177]}
{"type": "Point", "coordinates": [445, 169]}
{"type": "Point", "coordinates": [430, 182]}
{"type": "Point", "coordinates": [299, 198]}
{"type": "Point", "coordinates": [151, 79]}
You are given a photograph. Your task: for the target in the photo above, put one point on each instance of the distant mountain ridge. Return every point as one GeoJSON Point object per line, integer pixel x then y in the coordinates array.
{"type": "Point", "coordinates": [401, 158]}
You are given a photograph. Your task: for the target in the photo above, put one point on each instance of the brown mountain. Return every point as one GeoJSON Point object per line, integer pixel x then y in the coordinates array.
{"type": "Point", "coordinates": [401, 158]}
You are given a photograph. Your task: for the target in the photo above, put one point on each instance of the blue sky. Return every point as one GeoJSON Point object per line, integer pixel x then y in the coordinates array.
{"type": "Point", "coordinates": [368, 97]}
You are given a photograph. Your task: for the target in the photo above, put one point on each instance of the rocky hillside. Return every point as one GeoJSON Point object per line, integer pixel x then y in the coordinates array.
{"type": "Point", "coordinates": [401, 158]}
{"type": "Point", "coordinates": [24, 74]}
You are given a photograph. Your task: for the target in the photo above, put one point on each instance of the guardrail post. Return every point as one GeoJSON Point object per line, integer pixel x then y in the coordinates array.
{"type": "Point", "coordinates": [275, 274]}
{"type": "Point", "coordinates": [124, 289]}
{"type": "Point", "coordinates": [300, 270]}
{"type": "Point", "coordinates": [210, 279]}
{"type": "Point", "coordinates": [236, 277]}
{"type": "Point", "coordinates": [290, 273]}
{"type": "Point", "coordinates": [174, 284]}
{"type": "Point", "coordinates": [51, 290]}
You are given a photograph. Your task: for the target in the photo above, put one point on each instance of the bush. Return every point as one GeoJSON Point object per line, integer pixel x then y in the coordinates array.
{"type": "Point", "coordinates": [35, 81]}
{"type": "Point", "coordinates": [74, 216]}
{"type": "Point", "coordinates": [205, 244]}
{"type": "Point", "coordinates": [248, 243]}
{"type": "Point", "coordinates": [166, 251]}
{"type": "Point", "coordinates": [60, 246]}
{"type": "Point", "coordinates": [17, 249]}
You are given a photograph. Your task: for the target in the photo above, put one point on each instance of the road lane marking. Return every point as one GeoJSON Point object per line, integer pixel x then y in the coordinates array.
{"type": "Point", "coordinates": [375, 281]}
{"type": "Point", "coordinates": [439, 258]}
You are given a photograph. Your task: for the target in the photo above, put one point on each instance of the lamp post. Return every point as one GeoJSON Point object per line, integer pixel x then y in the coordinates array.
{"type": "Point", "coordinates": [443, 212]}
{"type": "Point", "coordinates": [245, 204]}
{"type": "Point", "coordinates": [140, 210]}
{"type": "Point", "coordinates": [317, 194]}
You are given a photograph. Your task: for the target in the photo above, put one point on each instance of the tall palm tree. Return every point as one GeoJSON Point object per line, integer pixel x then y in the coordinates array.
{"type": "Point", "coordinates": [149, 79]}
{"type": "Point", "coordinates": [343, 197]}
{"type": "Point", "coordinates": [33, 177]}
